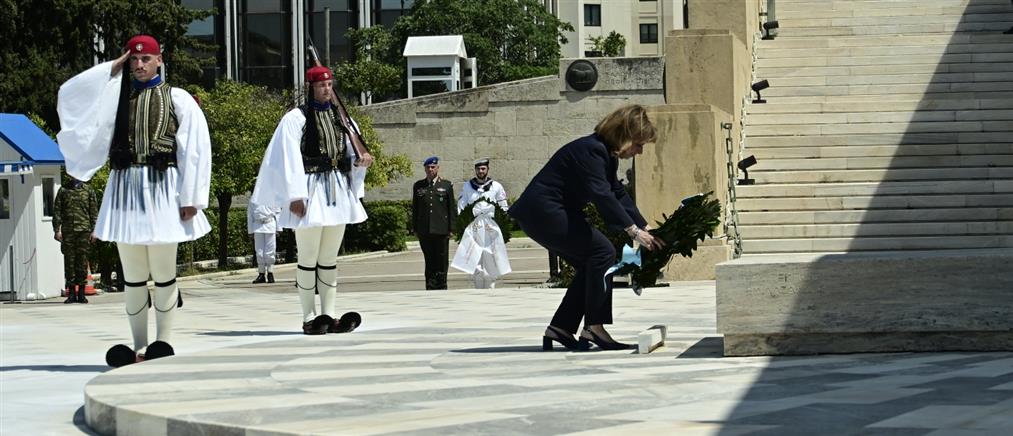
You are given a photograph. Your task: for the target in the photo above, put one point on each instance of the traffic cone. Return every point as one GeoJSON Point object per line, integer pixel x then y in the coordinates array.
{"type": "Point", "coordinates": [89, 287]}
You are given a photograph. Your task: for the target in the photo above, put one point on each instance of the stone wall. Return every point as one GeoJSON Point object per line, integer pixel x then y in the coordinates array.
{"type": "Point", "coordinates": [516, 124]}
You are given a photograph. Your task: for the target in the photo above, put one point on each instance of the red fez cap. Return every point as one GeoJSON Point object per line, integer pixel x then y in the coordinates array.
{"type": "Point", "coordinates": [143, 44]}
{"type": "Point", "coordinates": [318, 73]}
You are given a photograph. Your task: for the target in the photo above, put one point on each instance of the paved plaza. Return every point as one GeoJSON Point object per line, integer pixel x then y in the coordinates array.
{"type": "Point", "coordinates": [465, 361]}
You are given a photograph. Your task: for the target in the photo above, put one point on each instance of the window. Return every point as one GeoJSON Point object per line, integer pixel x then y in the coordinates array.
{"type": "Point", "coordinates": [48, 195]}
{"type": "Point", "coordinates": [266, 43]}
{"type": "Point", "coordinates": [5, 199]}
{"type": "Point", "coordinates": [592, 15]}
{"type": "Point", "coordinates": [649, 33]}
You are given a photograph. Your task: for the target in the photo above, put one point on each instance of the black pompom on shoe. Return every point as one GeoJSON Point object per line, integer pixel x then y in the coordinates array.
{"type": "Point", "coordinates": [158, 349]}
{"type": "Point", "coordinates": [120, 355]}
{"type": "Point", "coordinates": [346, 324]}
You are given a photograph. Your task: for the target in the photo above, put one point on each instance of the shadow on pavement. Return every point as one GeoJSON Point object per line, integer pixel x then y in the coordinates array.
{"type": "Point", "coordinates": [56, 368]}
{"type": "Point", "coordinates": [251, 333]}
{"type": "Point", "coordinates": [706, 348]}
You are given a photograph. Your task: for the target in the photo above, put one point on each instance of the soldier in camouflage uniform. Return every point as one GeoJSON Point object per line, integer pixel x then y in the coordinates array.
{"type": "Point", "coordinates": [74, 212]}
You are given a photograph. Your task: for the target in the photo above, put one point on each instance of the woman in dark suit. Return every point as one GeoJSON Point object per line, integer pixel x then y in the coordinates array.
{"type": "Point", "coordinates": [550, 212]}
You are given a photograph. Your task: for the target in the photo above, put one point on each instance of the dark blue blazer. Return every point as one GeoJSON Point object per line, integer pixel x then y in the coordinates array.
{"type": "Point", "coordinates": [580, 172]}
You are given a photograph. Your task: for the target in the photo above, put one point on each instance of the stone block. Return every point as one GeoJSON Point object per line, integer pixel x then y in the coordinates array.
{"type": "Point", "coordinates": [619, 74]}
{"type": "Point", "coordinates": [650, 339]}
{"type": "Point", "coordinates": [399, 112]}
{"type": "Point", "coordinates": [947, 300]}
{"type": "Point", "coordinates": [739, 17]}
{"type": "Point", "coordinates": [701, 266]}
{"type": "Point", "coordinates": [539, 89]}
{"type": "Point", "coordinates": [708, 67]}
{"type": "Point", "coordinates": [428, 132]}
{"type": "Point", "coordinates": [475, 100]}
{"type": "Point", "coordinates": [506, 123]}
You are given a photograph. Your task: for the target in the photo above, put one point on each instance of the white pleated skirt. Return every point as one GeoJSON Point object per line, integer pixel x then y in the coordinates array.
{"type": "Point", "coordinates": [331, 202]}
{"type": "Point", "coordinates": [141, 206]}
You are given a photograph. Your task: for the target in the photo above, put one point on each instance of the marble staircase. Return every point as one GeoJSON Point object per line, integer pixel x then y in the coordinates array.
{"type": "Point", "coordinates": [887, 127]}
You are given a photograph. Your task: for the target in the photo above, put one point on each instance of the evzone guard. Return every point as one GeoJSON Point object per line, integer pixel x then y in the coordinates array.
{"type": "Point", "coordinates": [155, 139]}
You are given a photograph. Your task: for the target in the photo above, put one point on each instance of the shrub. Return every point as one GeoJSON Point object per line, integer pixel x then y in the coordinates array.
{"type": "Point", "coordinates": [386, 229]}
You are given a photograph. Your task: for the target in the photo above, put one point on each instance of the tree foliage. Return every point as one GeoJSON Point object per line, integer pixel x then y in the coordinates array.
{"type": "Point", "coordinates": [242, 118]}
{"type": "Point", "coordinates": [46, 42]}
{"type": "Point", "coordinates": [369, 73]}
{"type": "Point", "coordinates": [511, 39]}
{"type": "Point", "coordinates": [609, 46]}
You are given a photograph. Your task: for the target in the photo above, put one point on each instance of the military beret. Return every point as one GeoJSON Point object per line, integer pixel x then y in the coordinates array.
{"type": "Point", "coordinates": [432, 160]}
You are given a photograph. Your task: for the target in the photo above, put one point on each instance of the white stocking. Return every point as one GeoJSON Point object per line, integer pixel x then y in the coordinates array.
{"type": "Point", "coordinates": [135, 270]}
{"type": "Point", "coordinates": [162, 259]}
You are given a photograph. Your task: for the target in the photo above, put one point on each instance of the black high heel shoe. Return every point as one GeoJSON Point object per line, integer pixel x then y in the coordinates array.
{"type": "Point", "coordinates": [565, 339]}
{"type": "Point", "coordinates": [605, 343]}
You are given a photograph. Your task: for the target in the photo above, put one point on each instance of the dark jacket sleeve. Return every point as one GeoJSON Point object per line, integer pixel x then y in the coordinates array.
{"type": "Point", "coordinates": [593, 169]}
{"type": "Point", "coordinates": [627, 202]}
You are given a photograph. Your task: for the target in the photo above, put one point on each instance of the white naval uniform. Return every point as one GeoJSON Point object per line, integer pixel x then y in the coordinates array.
{"type": "Point", "coordinates": [262, 223]}
{"type": "Point", "coordinates": [146, 226]}
{"type": "Point", "coordinates": [482, 252]}
{"type": "Point", "coordinates": [331, 200]}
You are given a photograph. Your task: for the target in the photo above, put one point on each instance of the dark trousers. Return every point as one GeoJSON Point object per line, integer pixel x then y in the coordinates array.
{"type": "Point", "coordinates": [589, 296]}
{"type": "Point", "coordinates": [435, 249]}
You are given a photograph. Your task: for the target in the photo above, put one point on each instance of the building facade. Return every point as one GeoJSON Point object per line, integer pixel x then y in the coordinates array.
{"type": "Point", "coordinates": [262, 41]}
{"type": "Point", "coordinates": [643, 23]}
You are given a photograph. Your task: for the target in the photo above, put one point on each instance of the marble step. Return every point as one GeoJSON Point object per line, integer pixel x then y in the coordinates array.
{"type": "Point", "coordinates": [966, 140]}
{"type": "Point", "coordinates": [777, 90]}
{"type": "Point", "coordinates": [874, 202]}
{"type": "Point", "coordinates": [921, 9]}
{"type": "Point", "coordinates": [919, 116]}
{"type": "Point", "coordinates": [861, 162]}
{"type": "Point", "coordinates": [868, 128]}
{"type": "Point", "coordinates": [984, 96]}
{"type": "Point", "coordinates": [898, 50]}
{"type": "Point", "coordinates": [857, 230]}
{"type": "Point", "coordinates": [859, 189]}
{"type": "Point", "coordinates": [750, 246]}
{"type": "Point", "coordinates": [883, 105]}
{"type": "Point", "coordinates": [921, 79]}
{"type": "Point", "coordinates": [940, 39]}
{"type": "Point", "coordinates": [876, 60]}
{"type": "Point", "coordinates": [880, 175]}
{"type": "Point", "coordinates": [747, 218]}
{"type": "Point", "coordinates": [945, 27]}
{"type": "Point", "coordinates": [787, 6]}
{"type": "Point", "coordinates": [834, 72]}
{"type": "Point", "coordinates": [898, 154]}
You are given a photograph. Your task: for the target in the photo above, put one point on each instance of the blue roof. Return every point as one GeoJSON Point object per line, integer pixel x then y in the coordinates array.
{"type": "Point", "coordinates": [29, 140]}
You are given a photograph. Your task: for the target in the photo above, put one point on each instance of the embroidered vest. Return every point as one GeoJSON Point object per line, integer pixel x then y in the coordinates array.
{"type": "Point", "coordinates": [151, 139]}
{"type": "Point", "coordinates": [329, 152]}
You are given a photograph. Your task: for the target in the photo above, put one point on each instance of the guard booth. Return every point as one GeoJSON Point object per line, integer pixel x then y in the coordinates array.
{"type": "Point", "coordinates": [440, 59]}
{"type": "Point", "coordinates": [31, 265]}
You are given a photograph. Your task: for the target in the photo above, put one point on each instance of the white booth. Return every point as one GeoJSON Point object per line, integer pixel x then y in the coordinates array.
{"type": "Point", "coordinates": [31, 265]}
{"type": "Point", "coordinates": [440, 59]}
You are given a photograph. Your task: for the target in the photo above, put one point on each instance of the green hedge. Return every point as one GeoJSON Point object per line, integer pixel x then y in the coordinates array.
{"type": "Point", "coordinates": [386, 229]}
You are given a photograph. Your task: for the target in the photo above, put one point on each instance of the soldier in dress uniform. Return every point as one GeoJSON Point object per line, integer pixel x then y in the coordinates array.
{"type": "Point", "coordinates": [434, 210]}
{"type": "Point", "coordinates": [74, 212]}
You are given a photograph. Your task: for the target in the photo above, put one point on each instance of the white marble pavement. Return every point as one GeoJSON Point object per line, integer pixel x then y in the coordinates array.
{"type": "Point", "coordinates": [469, 362]}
